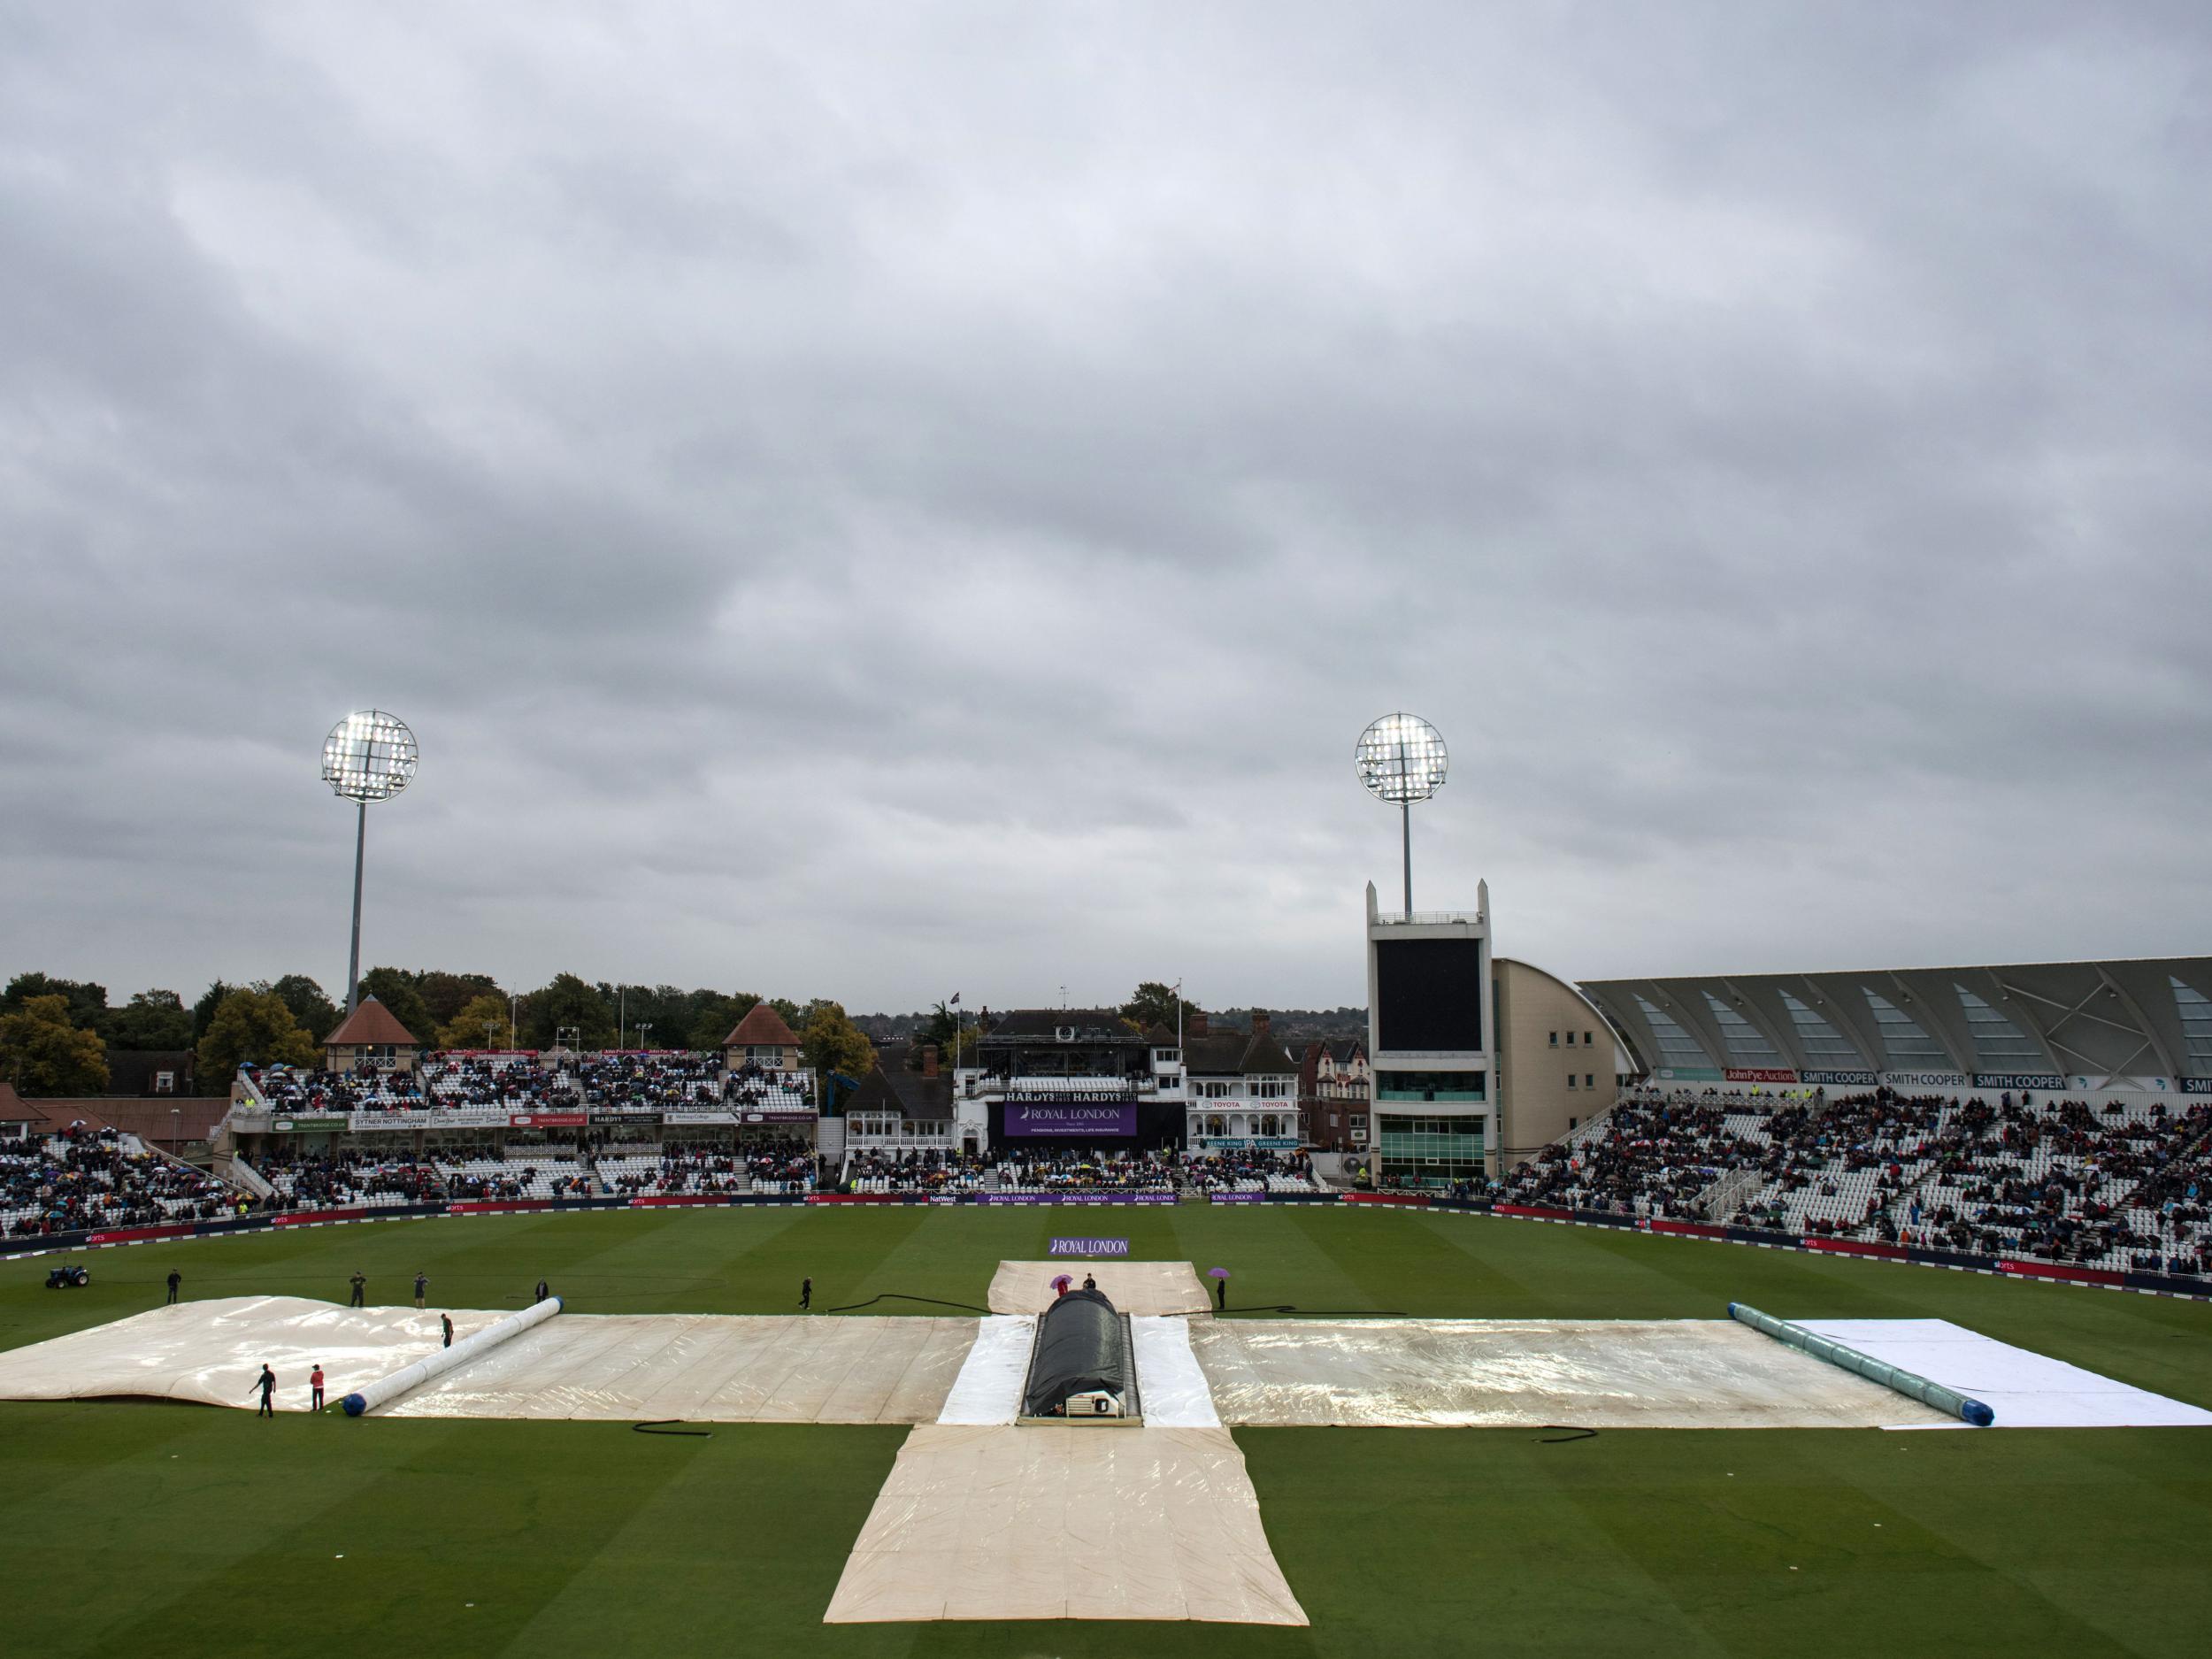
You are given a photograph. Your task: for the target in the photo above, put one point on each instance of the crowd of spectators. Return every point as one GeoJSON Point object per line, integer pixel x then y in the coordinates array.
{"type": "Point", "coordinates": [506, 1082]}
{"type": "Point", "coordinates": [2059, 1180]}
{"type": "Point", "coordinates": [86, 1178]}
{"type": "Point", "coordinates": [649, 1082]}
{"type": "Point", "coordinates": [1027, 1169]}
{"type": "Point", "coordinates": [915, 1169]}
{"type": "Point", "coordinates": [1253, 1171]}
{"type": "Point", "coordinates": [1652, 1154]}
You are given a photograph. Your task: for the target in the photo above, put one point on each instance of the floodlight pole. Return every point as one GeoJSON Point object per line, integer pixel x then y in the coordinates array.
{"type": "Point", "coordinates": [353, 962]}
{"type": "Point", "coordinates": [1405, 821]}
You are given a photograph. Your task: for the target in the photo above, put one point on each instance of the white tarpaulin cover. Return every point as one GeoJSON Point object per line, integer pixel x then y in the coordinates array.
{"type": "Point", "coordinates": [989, 1387]}
{"type": "Point", "coordinates": [708, 1368]}
{"type": "Point", "coordinates": [211, 1351]}
{"type": "Point", "coordinates": [1066, 1522]}
{"type": "Point", "coordinates": [1169, 1385]}
{"type": "Point", "coordinates": [2026, 1390]}
{"type": "Point", "coordinates": [1454, 1373]}
{"type": "Point", "coordinates": [1132, 1287]}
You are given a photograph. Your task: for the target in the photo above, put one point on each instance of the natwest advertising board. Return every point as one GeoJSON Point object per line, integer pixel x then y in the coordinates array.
{"type": "Point", "coordinates": [1070, 1117]}
{"type": "Point", "coordinates": [547, 1120]}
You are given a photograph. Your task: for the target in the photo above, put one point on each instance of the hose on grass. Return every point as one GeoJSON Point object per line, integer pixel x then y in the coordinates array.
{"type": "Point", "coordinates": [900, 1295]}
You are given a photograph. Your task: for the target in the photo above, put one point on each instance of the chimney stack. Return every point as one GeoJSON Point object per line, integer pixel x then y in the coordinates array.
{"type": "Point", "coordinates": [929, 1059]}
{"type": "Point", "coordinates": [1259, 1023]}
{"type": "Point", "coordinates": [1195, 1024]}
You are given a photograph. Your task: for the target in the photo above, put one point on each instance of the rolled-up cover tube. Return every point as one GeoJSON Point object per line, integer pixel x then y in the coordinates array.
{"type": "Point", "coordinates": [1910, 1384]}
{"type": "Point", "coordinates": [385, 1389]}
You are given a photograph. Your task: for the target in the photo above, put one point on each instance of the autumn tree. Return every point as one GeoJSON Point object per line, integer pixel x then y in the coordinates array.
{"type": "Point", "coordinates": [42, 1053]}
{"type": "Point", "coordinates": [717, 1017]}
{"type": "Point", "coordinates": [317, 1014]}
{"type": "Point", "coordinates": [829, 1041]}
{"type": "Point", "coordinates": [151, 1020]}
{"type": "Point", "coordinates": [253, 1025]}
{"type": "Point", "coordinates": [567, 1002]}
{"type": "Point", "coordinates": [86, 1003]}
{"type": "Point", "coordinates": [446, 994]}
{"type": "Point", "coordinates": [203, 1010]}
{"type": "Point", "coordinates": [394, 987]}
{"type": "Point", "coordinates": [1157, 1004]}
{"type": "Point", "coordinates": [480, 1022]}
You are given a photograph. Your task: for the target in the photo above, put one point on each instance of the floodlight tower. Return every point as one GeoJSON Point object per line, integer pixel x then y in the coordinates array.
{"type": "Point", "coordinates": [369, 756]}
{"type": "Point", "coordinates": [1402, 760]}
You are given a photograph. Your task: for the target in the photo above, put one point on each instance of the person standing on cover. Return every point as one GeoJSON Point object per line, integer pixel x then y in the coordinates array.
{"type": "Point", "coordinates": [267, 1382]}
{"type": "Point", "coordinates": [806, 1295]}
{"type": "Point", "coordinates": [315, 1383]}
{"type": "Point", "coordinates": [175, 1279]}
{"type": "Point", "coordinates": [544, 1290]}
{"type": "Point", "coordinates": [445, 1323]}
{"type": "Point", "coordinates": [422, 1287]}
{"type": "Point", "coordinates": [360, 1283]}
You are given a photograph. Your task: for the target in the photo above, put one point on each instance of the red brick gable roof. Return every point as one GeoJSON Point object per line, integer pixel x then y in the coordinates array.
{"type": "Point", "coordinates": [370, 1025]}
{"type": "Point", "coordinates": [762, 1028]}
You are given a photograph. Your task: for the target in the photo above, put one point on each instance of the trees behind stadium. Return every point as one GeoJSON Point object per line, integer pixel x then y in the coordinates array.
{"type": "Point", "coordinates": [59, 1047]}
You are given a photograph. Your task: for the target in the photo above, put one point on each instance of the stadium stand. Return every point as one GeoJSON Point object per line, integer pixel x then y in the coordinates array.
{"type": "Point", "coordinates": [83, 1179]}
{"type": "Point", "coordinates": [2123, 1187]}
{"type": "Point", "coordinates": [1239, 1172]}
{"type": "Point", "coordinates": [647, 1082]}
{"type": "Point", "coordinates": [924, 1170]}
{"type": "Point", "coordinates": [1022, 1169]}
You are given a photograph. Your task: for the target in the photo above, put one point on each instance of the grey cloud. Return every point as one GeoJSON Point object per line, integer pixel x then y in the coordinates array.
{"type": "Point", "coordinates": [855, 505]}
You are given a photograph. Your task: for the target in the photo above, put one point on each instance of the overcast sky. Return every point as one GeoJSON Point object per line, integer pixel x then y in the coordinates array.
{"type": "Point", "coordinates": [875, 502]}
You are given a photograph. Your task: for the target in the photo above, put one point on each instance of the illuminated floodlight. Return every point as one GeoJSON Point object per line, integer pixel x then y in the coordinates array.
{"type": "Point", "coordinates": [1402, 760]}
{"type": "Point", "coordinates": [369, 756]}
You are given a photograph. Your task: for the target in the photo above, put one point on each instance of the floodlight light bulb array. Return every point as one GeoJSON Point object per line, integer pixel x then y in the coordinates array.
{"type": "Point", "coordinates": [369, 756]}
{"type": "Point", "coordinates": [1401, 758]}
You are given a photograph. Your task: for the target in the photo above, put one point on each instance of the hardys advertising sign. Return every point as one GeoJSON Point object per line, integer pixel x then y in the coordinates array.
{"type": "Point", "coordinates": [1070, 1117]}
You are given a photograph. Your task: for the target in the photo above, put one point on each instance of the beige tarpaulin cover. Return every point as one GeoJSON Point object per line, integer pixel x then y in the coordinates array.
{"type": "Point", "coordinates": [1132, 1287]}
{"type": "Point", "coordinates": [212, 1351]}
{"type": "Point", "coordinates": [708, 1368]}
{"type": "Point", "coordinates": [984, 1523]}
{"type": "Point", "coordinates": [1626, 1374]}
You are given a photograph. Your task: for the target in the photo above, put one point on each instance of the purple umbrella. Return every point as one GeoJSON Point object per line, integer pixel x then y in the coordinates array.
{"type": "Point", "coordinates": [1216, 1272]}
{"type": "Point", "coordinates": [1061, 1281]}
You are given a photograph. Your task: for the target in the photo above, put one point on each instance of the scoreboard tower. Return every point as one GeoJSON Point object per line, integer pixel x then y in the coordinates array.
{"type": "Point", "coordinates": [1430, 1023]}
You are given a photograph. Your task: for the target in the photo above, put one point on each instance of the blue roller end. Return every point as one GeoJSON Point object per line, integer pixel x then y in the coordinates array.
{"type": "Point", "coordinates": [1731, 1310]}
{"type": "Point", "coordinates": [1979, 1415]}
{"type": "Point", "coordinates": [356, 1405]}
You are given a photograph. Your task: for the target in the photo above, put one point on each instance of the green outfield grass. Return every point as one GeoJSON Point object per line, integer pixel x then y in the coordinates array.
{"type": "Point", "coordinates": [146, 1529]}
